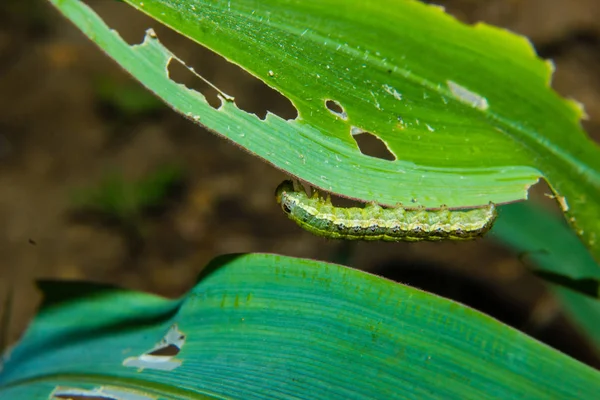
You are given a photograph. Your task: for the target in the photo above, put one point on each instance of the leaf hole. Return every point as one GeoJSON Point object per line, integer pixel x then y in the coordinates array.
{"type": "Point", "coordinates": [209, 73]}
{"type": "Point", "coordinates": [130, 24]}
{"type": "Point", "coordinates": [169, 350]}
{"type": "Point", "coordinates": [99, 393]}
{"type": "Point", "coordinates": [336, 109]}
{"type": "Point", "coordinates": [371, 145]}
{"type": "Point", "coordinates": [75, 396]}
{"type": "Point", "coordinates": [183, 75]}
{"type": "Point", "coordinates": [204, 70]}
{"type": "Point", "coordinates": [162, 355]}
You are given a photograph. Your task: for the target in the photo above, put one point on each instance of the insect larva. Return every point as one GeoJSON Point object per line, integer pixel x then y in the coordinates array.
{"type": "Point", "coordinates": [374, 222]}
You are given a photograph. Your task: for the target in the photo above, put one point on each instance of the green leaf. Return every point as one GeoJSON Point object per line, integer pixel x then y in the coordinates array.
{"type": "Point", "coordinates": [265, 326]}
{"type": "Point", "coordinates": [546, 242]}
{"type": "Point", "coordinates": [466, 110]}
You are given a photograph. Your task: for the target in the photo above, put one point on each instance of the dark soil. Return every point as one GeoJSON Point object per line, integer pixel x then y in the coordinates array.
{"type": "Point", "coordinates": [60, 132]}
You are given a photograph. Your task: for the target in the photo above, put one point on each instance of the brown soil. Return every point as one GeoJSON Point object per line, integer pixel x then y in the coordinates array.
{"type": "Point", "coordinates": [59, 133]}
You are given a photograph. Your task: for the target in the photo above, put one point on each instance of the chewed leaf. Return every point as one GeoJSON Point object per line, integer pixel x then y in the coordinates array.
{"type": "Point", "coordinates": [264, 326]}
{"type": "Point", "coordinates": [466, 111]}
{"type": "Point", "coordinates": [318, 145]}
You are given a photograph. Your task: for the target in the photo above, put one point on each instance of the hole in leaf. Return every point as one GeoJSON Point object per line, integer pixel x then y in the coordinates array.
{"type": "Point", "coordinates": [161, 356]}
{"type": "Point", "coordinates": [181, 74]}
{"type": "Point", "coordinates": [128, 22]}
{"type": "Point", "coordinates": [336, 109]}
{"type": "Point", "coordinates": [371, 145]}
{"type": "Point", "coordinates": [75, 396]}
{"type": "Point", "coordinates": [251, 94]}
{"type": "Point", "coordinates": [99, 393]}
{"type": "Point", "coordinates": [170, 350]}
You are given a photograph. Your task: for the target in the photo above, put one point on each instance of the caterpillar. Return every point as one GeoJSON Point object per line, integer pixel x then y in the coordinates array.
{"type": "Point", "coordinates": [374, 222]}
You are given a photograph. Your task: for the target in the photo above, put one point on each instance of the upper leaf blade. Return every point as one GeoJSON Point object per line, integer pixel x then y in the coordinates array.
{"type": "Point", "coordinates": [466, 110]}
{"type": "Point", "coordinates": [451, 101]}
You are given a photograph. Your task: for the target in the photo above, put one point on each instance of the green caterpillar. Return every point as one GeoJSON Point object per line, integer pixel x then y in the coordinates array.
{"type": "Point", "coordinates": [374, 222]}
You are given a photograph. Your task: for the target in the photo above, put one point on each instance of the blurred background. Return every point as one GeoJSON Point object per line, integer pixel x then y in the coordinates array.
{"type": "Point", "coordinates": [100, 181]}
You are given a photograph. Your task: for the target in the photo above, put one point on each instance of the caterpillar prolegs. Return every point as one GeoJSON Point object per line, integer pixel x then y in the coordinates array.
{"type": "Point", "coordinates": [374, 222]}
